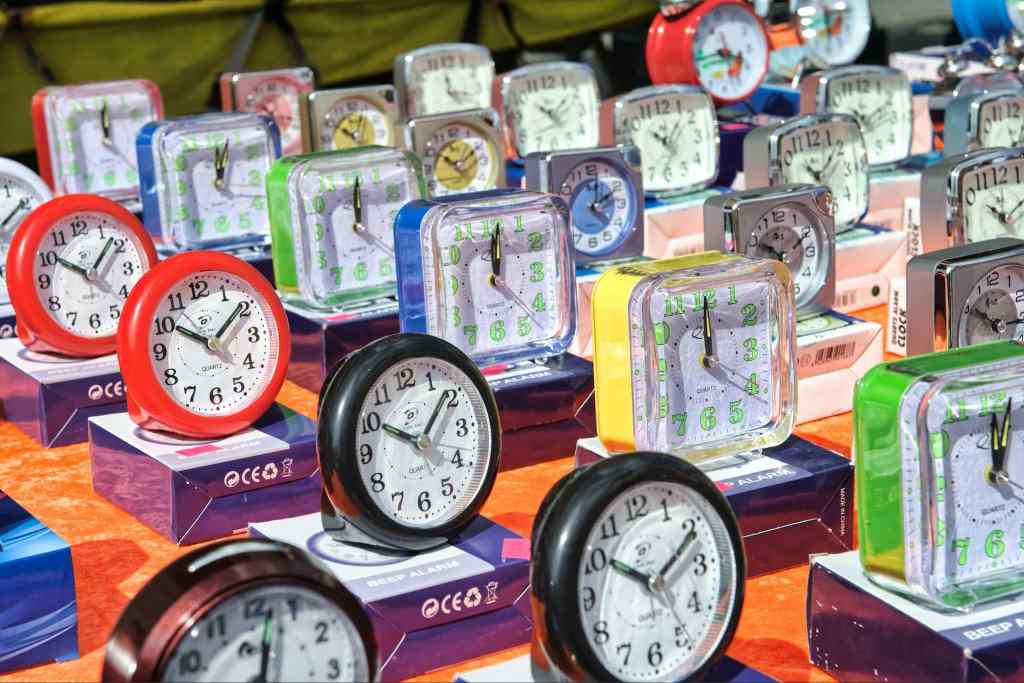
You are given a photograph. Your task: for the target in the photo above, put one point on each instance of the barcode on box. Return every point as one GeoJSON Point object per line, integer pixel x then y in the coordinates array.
{"type": "Point", "coordinates": [835, 352]}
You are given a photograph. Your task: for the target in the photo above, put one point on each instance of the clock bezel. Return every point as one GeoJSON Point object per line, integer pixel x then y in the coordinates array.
{"type": "Point", "coordinates": [315, 106]}
{"type": "Point", "coordinates": [960, 132]}
{"type": "Point", "coordinates": [419, 130]}
{"type": "Point", "coordinates": [235, 84]}
{"type": "Point", "coordinates": [405, 64]}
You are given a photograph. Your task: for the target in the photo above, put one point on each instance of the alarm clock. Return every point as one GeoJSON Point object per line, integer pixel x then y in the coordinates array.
{"type": "Point", "coordinates": [936, 447]}
{"type": "Point", "coordinates": [204, 179]}
{"type": "Point", "coordinates": [203, 346]}
{"type": "Point", "coordinates": [603, 188]}
{"type": "Point", "coordinates": [409, 440]}
{"type": "Point", "coordinates": [331, 216]}
{"type": "Point", "coordinates": [637, 573]}
{"type": "Point", "coordinates": [834, 31]}
{"type": "Point", "coordinates": [243, 610]}
{"type": "Point", "coordinates": [70, 266]}
{"type": "Point", "coordinates": [988, 19]}
{"type": "Point", "coordinates": [21, 191]}
{"type": "Point", "coordinates": [791, 224]}
{"type": "Point", "coordinates": [879, 97]}
{"type": "Point", "coordinates": [981, 120]}
{"type": "Point", "coordinates": [695, 355]}
{"type": "Point", "coordinates": [720, 45]}
{"type": "Point", "coordinates": [491, 272]}
{"type": "Point", "coordinates": [972, 197]}
{"type": "Point", "coordinates": [965, 295]}
{"type": "Point", "coordinates": [676, 129]}
{"type": "Point", "coordinates": [816, 149]}
{"type": "Point", "coordinates": [275, 93]}
{"type": "Point", "coordinates": [461, 152]}
{"type": "Point", "coordinates": [444, 78]}
{"type": "Point", "coordinates": [549, 107]}
{"type": "Point", "coordinates": [85, 135]}
{"type": "Point", "coordinates": [344, 118]}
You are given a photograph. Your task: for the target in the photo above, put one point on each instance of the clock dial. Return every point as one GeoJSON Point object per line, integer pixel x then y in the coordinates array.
{"type": "Point", "coordinates": [653, 577]}
{"type": "Point", "coordinates": [501, 281]}
{"type": "Point", "coordinates": [789, 235]}
{"type": "Point", "coordinates": [829, 153]}
{"type": "Point", "coordinates": [278, 98]}
{"type": "Point", "coordinates": [1001, 121]}
{"type": "Point", "coordinates": [730, 51]}
{"type": "Point", "coordinates": [707, 397]}
{"type": "Point", "coordinates": [448, 78]}
{"type": "Point", "coordinates": [881, 102]}
{"type": "Point", "coordinates": [214, 343]}
{"type": "Point", "coordinates": [216, 191]}
{"type": "Point", "coordinates": [995, 307]}
{"type": "Point", "coordinates": [835, 31]}
{"type": "Point", "coordinates": [460, 158]}
{"type": "Point", "coordinates": [992, 197]}
{"type": "Point", "coordinates": [677, 134]}
{"type": "Point", "coordinates": [85, 267]}
{"type": "Point", "coordinates": [356, 122]}
{"type": "Point", "coordinates": [270, 632]}
{"type": "Point", "coordinates": [424, 442]}
{"type": "Point", "coordinates": [20, 192]}
{"type": "Point", "coordinates": [601, 205]}
{"type": "Point", "coordinates": [551, 107]}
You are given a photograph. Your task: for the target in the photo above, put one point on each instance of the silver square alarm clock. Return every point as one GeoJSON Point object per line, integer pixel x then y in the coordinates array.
{"type": "Point", "coordinates": [986, 119]}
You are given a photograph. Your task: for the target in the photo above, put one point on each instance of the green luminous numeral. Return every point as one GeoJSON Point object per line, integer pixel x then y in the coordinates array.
{"type": "Point", "coordinates": [319, 232]}
{"type": "Point", "coordinates": [454, 255]}
{"type": "Point", "coordinates": [470, 332]}
{"type": "Point", "coordinates": [736, 413]}
{"type": "Point", "coordinates": [751, 386]}
{"type": "Point", "coordinates": [994, 544]}
{"type": "Point", "coordinates": [661, 333]}
{"type": "Point", "coordinates": [497, 330]}
{"type": "Point", "coordinates": [700, 296]}
{"type": "Point", "coordinates": [537, 271]}
{"type": "Point", "coordinates": [523, 326]}
{"type": "Point", "coordinates": [455, 285]}
{"type": "Point", "coordinates": [732, 294]}
{"type": "Point", "coordinates": [961, 545]}
{"type": "Point", "coordinates": [456, 316]}
{"type": "Point", "coordinates": [750, 347]}
{"type": "Point", "coordinates": [362, 271]}
{"type": "Point", "coordinates": [518, 222]}
{"type": "Point", "coordinates": [956, 411]}
{"type": "Point", "coordinates": [708, 421]}
{"type": "Point", "coordinates": [940, 489]}
{"type": "Point", "coordinates": [321, 259]}
{"type": "Point", "coordinates": [749, 314]}
{"type": "Point", "coordinates": [680, 421]}
{"type": "Point", "coordinates": [319, 205]}
{"type": "Point", "coordinates": [536, 240]}
{"type": "Point", "coordinates": [336, 271]}
{"type": "Point", "coordinates": [539, 304]}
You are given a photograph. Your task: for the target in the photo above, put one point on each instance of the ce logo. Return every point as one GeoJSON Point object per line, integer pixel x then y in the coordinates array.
{"type": "Point", "coordinates": [454, 600]}
{"type": "Point", "coordinates": [251, 475]}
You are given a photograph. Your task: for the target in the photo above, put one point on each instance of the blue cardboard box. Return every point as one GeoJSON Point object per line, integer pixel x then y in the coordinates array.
{"type": "Point", "coordinates": [727, 670]}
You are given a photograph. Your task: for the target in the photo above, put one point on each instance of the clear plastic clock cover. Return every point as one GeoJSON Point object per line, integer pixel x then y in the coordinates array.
{"type": "Point", "coordinates": [963, 532]}
{"type": "Point", "coordinates": [654, 391]}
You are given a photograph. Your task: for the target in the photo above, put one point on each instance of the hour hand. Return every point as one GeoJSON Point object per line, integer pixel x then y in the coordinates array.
{"type": "Point", "coordinates": [193, 335]}
{"type": "Point", "coordinates": [634, 574]}
{"type": "Point", "coordinates": [710, 358]}
{"type": "Point", "coordinates": [495, 278]}
{"type": "Point", "coordinates": [1000, 442]}
{"type": "Point", "coordinates": [73, 266]}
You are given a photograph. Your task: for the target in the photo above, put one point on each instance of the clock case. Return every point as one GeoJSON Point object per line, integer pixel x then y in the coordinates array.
{"type": "Point", "coordinates": [315, 107]}
{"type": "Point", "coordinates": [569, 511]}
{"type": "Point", "coordinates": [404, 65]}
{"type": "Point", "coordinates": [338, 409]}
{"type": "Point", "coordinates": [167, 606]}
{"type": "Point", "coordinates": [730, 219]}
{"type": "Point", "coordinates": [886, 399]}
{"type": "Point", "coordinates": [938, 283]}
{"type": "Point", "coordinates": [235, 86]}
{"type": "Point", "coordinates": [814, 92]}
{"type": "Point", "coordinates": [942, 220]}
{"type": "Point", "coordinates": [962, 127]}
{"type": "Point", "coordinates": [547, 171]}
{"type": "Point", "coordinates": [419, 130]}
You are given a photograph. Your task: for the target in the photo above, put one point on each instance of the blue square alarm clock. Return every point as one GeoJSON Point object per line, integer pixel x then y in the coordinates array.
{"type": "Point", "coordinates": [202, 179]}
{"type": "Point", "coordinates": [491, 272]}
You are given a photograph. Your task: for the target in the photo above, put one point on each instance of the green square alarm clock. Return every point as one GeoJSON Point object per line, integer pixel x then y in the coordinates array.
{"type": "Point", "coordinates": [940, 474]}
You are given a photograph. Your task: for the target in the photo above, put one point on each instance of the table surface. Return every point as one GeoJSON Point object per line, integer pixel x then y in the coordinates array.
{"type": "Point", "coordinates": [115, 555]}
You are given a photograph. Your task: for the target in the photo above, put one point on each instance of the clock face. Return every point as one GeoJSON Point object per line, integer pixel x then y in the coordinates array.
{"type": "Point", "coordinates": [216, 191]}
{"type": "Point", "coordinates": [86, 264]}
{"type": "Point", "coordinates": [992, 199]}
{"type": "Point", "coordinates": [347, 213]}
{"type": "Point", "coordinates": [700, 399]}
{"type": "Point", "coordinates": [601, 203]}
{"type": "Point", "coordinates": [553, 109]}
{"type": "Point", "coordinates": [654, 578]}
{"type": "Point", "coordinates": [832, 154]}
{"type": "Point", "coordinates": [730, 51]}
{"type": "Point", "coordinates": [278, 98]}
{"type": "Point", "coordinates": [93, 140]}
{"type": "Point", "coordinates": [882, 104]}
{"type": "Point", "coordinates": [458, 158]}
{"type": "Point", "coordinates": [270, 632]}
{"type": "Point", "coordinates": [501, 280]}
{"type": "Point", "coordinates": [1001, 121]}
{"type": "Point", "coordinates": [214, 344]}
{"type": "Point", "coordinates": [837, 30]}
{"type": "Point", "coordinates": [448, 80]}
{"type": "Point", "coordinates": [424, 442]}
{"type": "Point", "coordinates": [678, 139]}
{"type": "Point", "coordinates": [995, 307]}
{"type": "Point", "coordinates": [1015, 10]}
{"type": "Point", "coordinates": [18, 196]}
{"type": "Point", "coordinates": [787, 233]}
{"type": "Point", "coordinates": [356, 122]}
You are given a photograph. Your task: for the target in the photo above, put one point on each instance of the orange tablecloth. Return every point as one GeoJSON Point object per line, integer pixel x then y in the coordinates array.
{"type": "Point", "coordinates": [114, 554]}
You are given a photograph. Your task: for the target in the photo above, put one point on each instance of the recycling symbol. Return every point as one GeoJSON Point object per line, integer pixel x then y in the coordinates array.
{"type": "Point", "coordinates": [472, 598]}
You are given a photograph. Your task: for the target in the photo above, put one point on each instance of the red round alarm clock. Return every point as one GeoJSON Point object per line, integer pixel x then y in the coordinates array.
{"type": "Point", "coordinates": [203, 346]}
{"type": "Point", "coordinates": [720, 45]}
{"type": "Point", "coordinates": [71, 265]}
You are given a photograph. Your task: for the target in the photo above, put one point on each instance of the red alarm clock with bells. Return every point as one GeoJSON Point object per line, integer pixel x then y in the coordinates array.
{"type": "Point", "coordinates": [203, 346]}
{"type": "Point", "coordinates": [720, 45]}
{"type": "Point", "coordinates": [71, 265]}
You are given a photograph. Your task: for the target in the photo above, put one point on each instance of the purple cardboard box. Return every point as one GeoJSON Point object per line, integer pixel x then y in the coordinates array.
{"type": "Point", "coordinates": [256, 255]}
{"type": "Point", "coordinates": [727, 670]}
{"type": "Point", "coordinates": [38, 609]}
{"type": "Point", "coordinates": [434, 609]}
{"type": "Point", "coordinates": [51, 398]}
{"type": "Point", "coordinates": [192, 491]}
{"type": "Point", "coordinates": [858, 631]}
{"type": "Point", "coordinates": [794, 501]}
{"type": "Point", "coordinates": [320, 340]}
{"type": "Point", "coordinates": [6, 321]}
